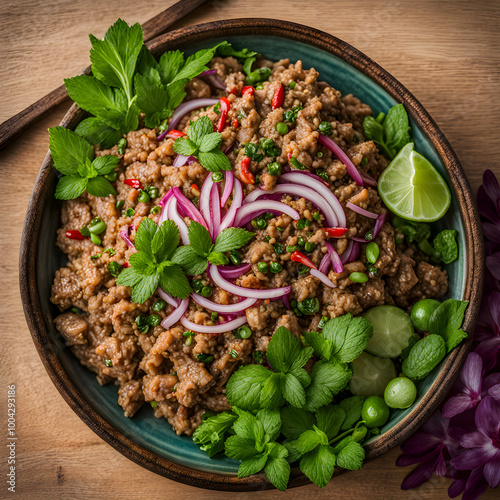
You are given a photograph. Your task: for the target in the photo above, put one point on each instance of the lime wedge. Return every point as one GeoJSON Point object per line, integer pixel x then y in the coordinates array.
{"type": "Point", "coordinates": [371, 375]}
{"type": "Point", "coordinates": [392, 330]}
{"type": "Point", "coordinates": [412, 188]}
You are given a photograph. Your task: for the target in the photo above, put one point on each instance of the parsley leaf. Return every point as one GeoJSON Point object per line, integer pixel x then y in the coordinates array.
{"type": "Point", "coordinates": [210, 435]}
{"type": "Point", "coordinates": [244, 386]}
{"type": "Point", "coordinates": [244, 56]}
{"type": "Point", "coordinates": [319, 465]}
{"type": "Point", "coordinates": [72, 156]}
{"type": "Point", "coordinates": [351, 456]}
{"type": "Point", "coordinates": [445, 246]}
{"type": "Point", "coordinates": [151, 266]}
{"type": "Point", "coordinates": [295, 421]}
{"type": "Point", "coordinates": [446, 321]}
{"type": "Point", "coordinates": [203, 143]}
{"type": "Point", "coordinates": [96, 131]}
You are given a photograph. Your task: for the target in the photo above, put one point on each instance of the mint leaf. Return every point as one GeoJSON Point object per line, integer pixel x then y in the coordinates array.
{"type": "Point", "coordinates": [231, 238]}
{"type": "Point", "coordinates": [200, 239]}
{"type": "Point", "coordinates": [295, 421]}
{"type": "Point", "coordinates": [278, 471]}
{"type": "Point", "coordinates": [446, 321]}
{"type": "Point", "coordinates": [271, 421]}
{"type": "Point", "coordinates": [319, 465]}
{"type": "Point", "coordinates": [152, 100]}
{"type": "Point", "coordinates": [252, 465]}
{"type": "Point", "coordinates": [217, 258]}
{"type": "Point", "coordinates": [86, 169]}
{"type": "Point", "coordinates": [142, 290]}
{"type": "Point", "coordinates": [210, 141]}
{"type": "Point", "coordinates": [69, 187]}
{"type": "Point", "coordinates": [184, 146]}
{"type": "Point", "coordinates": [129, 277]}
{"type": "Point", "coordinates": [271, 395]}
{"type": "Point", "coordinates": [189, 260]}
{"type": "Point", "coordinates": [240, 448]}
{"type": "Point", "coordinates": [141, 263]}
{"type": "Point", "coordinates": [200, 128]}
{"type": "Point", "coordinates": [174, 282]}
{"type": "Point", "coordinates": [351, 457]}
{"type": "Point", "coordinates": [214, 160]}
{"type": "Point", "coordinates": [320, 344]}
{"type": "Point", "coordinates": [95, 131]}
{"type": "Point", "coordinates": [308, 440]}
{"type": "Point", "coordinates": [99, 186]}
{"type": "Point", "coordinates": [282, 350]}
{"type": "Point", "coordinates": [300, 360]}
{"type": "Point", "coordinates": [244, 386]}
{"type": "Point", "coordinates": [165, 240]}
{"type": "Point", "coordinates": [445, 246]}
{"type": "Point", "coordinates": [424, 356]}
{"type": "Point", "coordinates": [210, 435]}
{"type": "Point", "coordinates": [352, 407]}
{"type": "Point", "coordinates": [397, 128]}
{"type": "Point", "coordinates": [329, 419]}
{"type": "Point", "coordinates": [245, 56]}
{"type": "Point", "coordinates": [292, 390]}
{"type": "Point", "coordinates": [144, 236]}
{"type": "Point", "coordinates": [105, 164]}
{"type": "Point", "coordinates": [455, 339]}
{"type": "Point", "coordinates": [301, 375]}
{"type": "Point", "coordinates": [68, 150]}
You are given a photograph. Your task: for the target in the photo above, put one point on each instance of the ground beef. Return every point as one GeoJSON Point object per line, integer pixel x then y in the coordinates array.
{"type": "Point", "coordinates": [180, 373]}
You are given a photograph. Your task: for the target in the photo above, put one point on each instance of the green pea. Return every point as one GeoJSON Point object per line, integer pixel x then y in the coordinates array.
{"type": "Point", "coordinates": [309, 247]}
{"type": "Point", "coordinates": [153, 191]}
{"type": "Point", "coordinates": [97, 227]}
{"type": "Point", "coordinates": [282, 128]}
{"type": "Point", "coordinates": [155, 210]}
{"type": "Point", "coordinates": [95, 239]}
{"type": "Point", "coordinates": [130, 212]}
{"type": "Point", "coordinates": [301, 241]}
{"type": "Point", "coordinates": [372, 252]}
{"type": "Point", "coordinates": [309, 307]}
{"type": "Point", "coordinates": [143, 197]}
{"type": "Point", "coordinates": [112, 176]}
{"type": "Point", "coordinates": [275, 267]}
{"type": "Point", "coordinates": [292, 84]}
{"type": "Point", "coordinates": [261, 223]}
{"type": "Point", "coordinates": [296, 163]}
{"type": "Point", "coordinates": [206, 291]}
{"type": "Point", "coordinates": [119, 204]}
{"type": "Point", "coordinates": [154, 319]}
{"type": "Point", "coordinates": [319, 154]}
{"type": "Point", "coordinates": [274, 168]}
{"type": "Point", "coordinates": [243, 332]}
{"type": "Point", "coordinates": [235, 258]}
{"type": "Point", "coordinates": [214, 316]}
{"type": "Point", "coordinates": [325, 128]}
{"type": "Point", "coordinates": [197, 285]}
{"type": "Point", "coordinates": [263, 267]}
{"type": "Point", "coordinates": [291, 248]}
{"type": "Point", "coordinates": [358, 277]}
{"type": "Point", "coordinates": [217, 176]}
{"type": "Point", "coordinates": [159, 305]}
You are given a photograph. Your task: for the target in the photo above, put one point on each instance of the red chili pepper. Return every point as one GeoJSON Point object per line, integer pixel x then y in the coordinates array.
{"type": "Point", "coordinates": [126, 264]}
{"type": "Point", "coordinates": [74, 234]}
{"type": "Point", "coordinates": [247, 90]}
{"type": "Point", "coordinates": [300, 257]}
{"type": "Point", "coordinates": [135, 183]}
{"type": "Point", "coordinates": [234, 91]}
{"type": "Point", "coordinates": [235, 123]}
{"type": "Point", "coordinates": [288, 155]}
{"type": "Point", "coordinates": [225, 105]}
{"type": "Point", "coordinates": [279, 97]}
{"type": "Point", "coordinates": [245, 175]}
{"type": "Point", "coordinates": [176, 133]}
{"type": "Point", "coordinates": [194, 186]}
{"type": "Point", "coordinates": [335, 232]}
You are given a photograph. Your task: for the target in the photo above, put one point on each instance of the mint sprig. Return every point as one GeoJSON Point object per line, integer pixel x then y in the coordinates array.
{"type": "Point", "coordinates": [152, 264]}
{"type": "Point", "coordinates": [74, 157]}
{"type": "Point", "coordinates": [203, 143]}
{"type": "Point", "coordinates": [194, 258]}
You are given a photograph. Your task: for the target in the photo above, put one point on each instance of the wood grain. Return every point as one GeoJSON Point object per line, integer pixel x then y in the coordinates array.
{"type": "Point", "coordinates": [446, 53]}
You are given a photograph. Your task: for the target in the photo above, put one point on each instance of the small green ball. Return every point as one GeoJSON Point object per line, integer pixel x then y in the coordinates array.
{"type": "Point", "coordinates": [400, 393]}
{"type": "Point", "coordinates": [375, 412]}
{"type": "Point", "coordinates": [421, 313]}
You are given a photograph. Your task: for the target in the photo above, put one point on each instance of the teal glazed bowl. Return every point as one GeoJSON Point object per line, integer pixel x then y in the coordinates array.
{"type": "Point", "coordinates": [151, 442]}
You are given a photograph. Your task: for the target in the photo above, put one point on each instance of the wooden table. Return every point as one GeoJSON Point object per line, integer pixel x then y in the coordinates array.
{"type": "Point", "coordinates": [447, 53]}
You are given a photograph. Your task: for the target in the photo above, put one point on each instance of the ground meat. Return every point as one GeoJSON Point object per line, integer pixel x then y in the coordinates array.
{"type": "Point", "coordinates": [184, 373]}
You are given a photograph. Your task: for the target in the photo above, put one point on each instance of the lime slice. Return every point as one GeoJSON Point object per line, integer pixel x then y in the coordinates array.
{"type": "Point", "coordinates": [412, 188]}
{"type": "Point", "coordinates": [371, 375]}
{"type": "Point", "coordinates": [392, 330]}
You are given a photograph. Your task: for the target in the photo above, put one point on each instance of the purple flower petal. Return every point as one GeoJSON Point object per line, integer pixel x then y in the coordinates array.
{"type": "Point", "coordinates": [420, 443]}
{"type": "Point", "coordinates": [471, 373]}
{"type": "Point", "coordinates": [441, 467]}
{"type": "Point", "coordinates": [458, 404]}
{"type": "Point", "coordinates": [488, 350]}
{"type": "Point", "coordinates": [491, 231]}
{"type": "Point", "coordinates": [489, 382]}
{"type": "Point", "coordinates": [488, 417]}
{"type": "Point", "coordinates": [476, 485]}
{"type": "Point", "coordinates": [456, 488]}
{"type": "Point", "coordinates": [493, 265]}
{"type": "Point", "coordinates": [419, 475]}
{"type": "Point", "coordinates": [494, 391]}
{"type": "Point", "coordinates": [407, 460]}
{"type": "Point", "coordinates": [475, 440]}
{"type": "Point", "coordinates": [488, 197]}
{"type": "Point", "coordinates": [470, 458]}
{"type": "Point", "coordinates": [492, 472]}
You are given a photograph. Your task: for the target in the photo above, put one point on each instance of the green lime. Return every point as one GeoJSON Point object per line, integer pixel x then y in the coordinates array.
{"type": "Point", "coordinates": [371, 375]}
{"type": "Point", "coordinates": [412, 188]}
{"type": "Point", "coordinates": [375, 412]}
{"type": "Point", "coordinates": [400, 393]}
{"type": "Point", "coordinates": [392, 330]}
{"type": "Point", "coordinates": [421, 313]}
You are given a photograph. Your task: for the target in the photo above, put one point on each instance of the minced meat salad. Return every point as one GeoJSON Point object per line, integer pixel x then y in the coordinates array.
{"type": "Point", "coordinates": [244, 200]}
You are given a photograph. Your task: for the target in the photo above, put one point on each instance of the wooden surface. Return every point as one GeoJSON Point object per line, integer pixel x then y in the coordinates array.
{"type": "Point", "coordinates": [446, 53]}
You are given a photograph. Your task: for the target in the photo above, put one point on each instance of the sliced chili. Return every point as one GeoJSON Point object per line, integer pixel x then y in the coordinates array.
{"type": "Point", "coordinates": [335, 232]}
{"type": "Point", "coordinates": [302, 259]}
{"type": "Point", "coordinates": [234, 91]}
{"type": "Point", "coordinates": [225, 105]}
{"type": "Point", "coordinates": [176, 134]}
{"type": "Point", "coordinates": [247, 89]}
{"type": "Point", "coordinates": [126, 264]}
{"type": "Point", "coordinates": [245, 175]}
{"type": "Point", "coordinates": [74, 234]}
{"type": "Point", "coordinates": [135, 183]}
{"type": "Point", "coordinates": [279, 97]}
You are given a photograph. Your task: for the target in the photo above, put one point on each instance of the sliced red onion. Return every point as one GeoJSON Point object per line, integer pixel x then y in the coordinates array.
{"type": "Point", "coordinates": [181, 160]}
{"type": "Point", "coordinates": [286, 301]}
{"type": "Point", "coordinates": [323, 277]}
{"type": "Point", "coordinates": [208, 72]}
{"type": "Point", "coordinates": [176, 315]}
{"type": "Point", "coordinates": [125, 236]}
{"type": "Point", "coordinates": [246, 212]}
{"type": "Point", "coordinates": [204, 203]}
{"type": "Point", "coordinates": [368, 179]}
{"type": "Point", "coordinates": [215, 210]}
{"type": "Point", "coordinates": [334, 256]}
{"type": "Point", "coordinates": [347, 252]}
{"type": "Point", "coordinates": [313, 176]}
{"type": "Point", "coordinates": [302, 192]}
{"type": "Point", "coordinates": [325, 263]}
{"type": "Point", "coordinates": [228, 219]}
{"type": "Point", "coordinates": [228, 186]}
{"type": "Point", "coordinates": [245, 292]}
{"type": "Point", "coordinates": [307, 179]}
{"type": "Point", "coordinates": [340, 154]}
{"type": "Point", "coordinates": [185, 108]}
{"type": "Point", "coordinates": [359, 240]}
{"type": "Point", "coordinates": [360, 210]}
{"type": "Point", "coordinates": [164, 211]}
{"type": "Point", "coordinates": [230, 148]}
{"type": "Point", "coordinates": [220, 308]}
{"type": "Point", "coordinates": [355, 251]}
{"type": "Point", "coordinates": [233, 272]}
{"type": "Point", "coordinates": [167, 297]}
{"type": "Point", "coordinates": [351, 253]}
{"type": "Point", "coordinates": [220, 328]}
{"type": "Point", "coordinates": [378, 224]}
{"type": "Point", "coordinates": [188, 207]}
{"type": "Point", "coordinates": [173, 214]}
{"type": "Point", "coordinates": [167, 197]}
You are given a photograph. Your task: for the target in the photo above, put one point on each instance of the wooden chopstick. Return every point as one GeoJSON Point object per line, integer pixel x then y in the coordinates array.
{"type": "Point", "coordinates": [157, 25]}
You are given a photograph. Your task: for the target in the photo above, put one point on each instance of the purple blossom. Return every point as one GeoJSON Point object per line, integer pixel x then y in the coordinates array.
{"type": "Point", "coordinates": [471, 483]}
{"type": "Point", "coordinates": [482, 448]}
{"type": "Point", "coordinates": [488, 198]}
{"type": "Point", "coordinates": [487, 331]}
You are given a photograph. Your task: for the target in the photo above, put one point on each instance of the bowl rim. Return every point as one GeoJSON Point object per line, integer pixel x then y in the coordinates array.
{"type": "Point", "coordinates": [474, 261]}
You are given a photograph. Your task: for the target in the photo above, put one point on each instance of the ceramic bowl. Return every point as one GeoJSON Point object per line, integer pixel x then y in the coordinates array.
{"type": "Point", "coordinates": [151, 442]}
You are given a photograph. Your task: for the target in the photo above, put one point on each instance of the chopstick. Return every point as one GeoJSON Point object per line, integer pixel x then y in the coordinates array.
{"type": "Point", "coordinates": [157, 25]}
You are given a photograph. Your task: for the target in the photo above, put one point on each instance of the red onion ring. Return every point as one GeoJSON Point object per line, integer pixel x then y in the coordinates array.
{"type": "Point", "coordinates": [173, 214]}
{"type": "Point", "coordinates": [347, 252]}
{"type": "Point", "coordinates": [228, 219]}
{"type": "Point", "coordinates": [324, 265]}
{"type": "Point", "coordinates": [245, 292]}
{"type": "Point", "coordinates": [208, 72]}
{"type": "Point", "coordinates": [125, 236]}
{"type": "Point", "coordinates": [368, 179]}
{"type": "Point", "coordinates": [334, 256]}
{"type": "Point", "coordinates": [187, 206]}
{"type": "Point", "coordinates": [175, 316]}
{"type": "Point", "coordinates": [167, 297]}
{"type": "Point", "coordinates": [205, 203]}
{"type": "Point", "coordinates": [215, 211]}
{"type": "Point", "coordinates": [340, 154]}
{"type": "Point", "coordinates": [220, 328]}
{"type": "Point", "coordinates": [378, 224]}
{"type": "Point", "coordinates": [322, 277]}
{"type": "Point", "coordinates": [181, 160]}
{"type": "Point", "coordinates": [360, 210]}
{"type": "Point", "coordinates": [246, 212]}
{"type": "Point", "coordinates": [228, 186]}
{"type": "Point", "coordinates": [240, 307]}
{"type": "Point", "coordinates": [233, 272]}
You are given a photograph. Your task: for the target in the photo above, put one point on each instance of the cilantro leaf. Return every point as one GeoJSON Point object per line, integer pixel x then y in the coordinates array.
{"type": "Point", "coordinates": [95, 131]}
{"type": "Point", "coordinates": [446, 321]}
{"type": "Point", "coordinates": [214, 160]}
{"type": "Point", "coordinates": [352, 407]}
{"type": "Point", "coordinates": [240, 448]}
{"type": "Point", "coordinates": [252, 465]}
{"type": "Point", "coordinates": [69, 187]}
{"type": "Point", "coordinates": [210, 435]}
{"type": "Point", "coordinates": [200, 239]}
{"type": "Point", "coordinates": [283, 349]}
{"type": "Point", "coordinates": [329, 419]}
{"type": "Point", "coordinates": [99, 186]}
{"type": "Point", "coordinates": [292, 390]}
{"type": "Point", "coordinates": [244, 387]}
{"type": "Point", "coordinates": [271, 395]}
{"type": "Point", "coordinates": [189, 260]}
{"type": "Point", "coordinates": [295, 421]}
{"type": "Point", "coordinates": [278, 470]}
{"type": "Point", "coordinates": [231, 238]}
{"type": "Point", "coordinates": [68, 150]}
{"type": "Point", "coordinates": [351, 456]}
{"type": "Point", "coordinates": [170, 64]}
{"type": "Point", "coordinates": [319, 465]}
